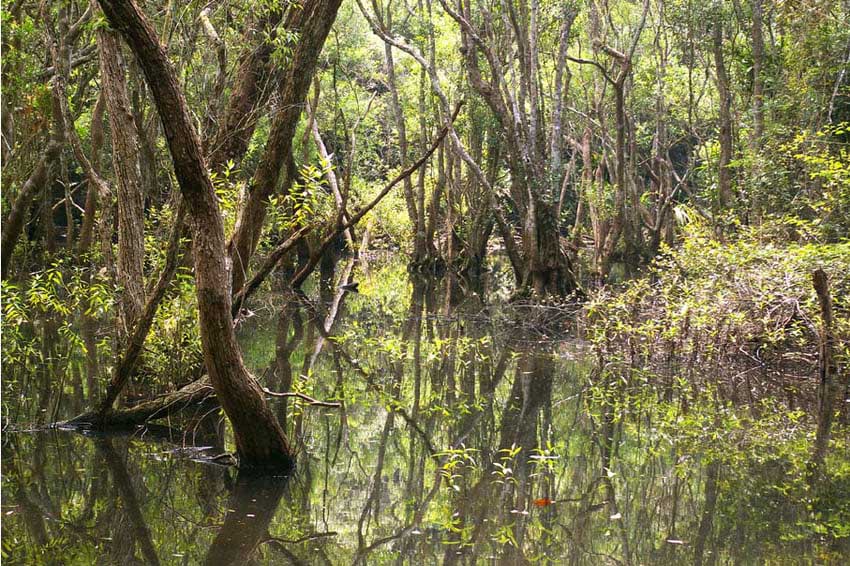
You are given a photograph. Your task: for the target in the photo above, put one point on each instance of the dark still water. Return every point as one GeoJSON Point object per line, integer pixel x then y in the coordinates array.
{"type": "Point", "coordinates": [465, 434]}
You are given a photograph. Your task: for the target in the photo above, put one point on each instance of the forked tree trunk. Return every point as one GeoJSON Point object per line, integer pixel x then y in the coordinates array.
{"type": "Point", "coordinates": [241, 113]}
{"type": "Point", "coordinates": [260, 441]}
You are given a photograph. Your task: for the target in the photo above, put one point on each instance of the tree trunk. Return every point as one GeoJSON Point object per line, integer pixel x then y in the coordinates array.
{"type": "Point", "coordinates": [758, 83]}
{"type": "Point", "coordinates": [87, 228]}
{"type": "Point", "coordinates": [401, 130]}
{"type": "Point", "coordinates": [317, 17]}
{"type": "Point", "coordinates": [259, 438]}
{"type": "Point", "coordinates": [330, 173]}
{"type": "Point", "coordinates": [548, 269]}
{"type": "Point", "coordinates": [14, 224]}
{"type": "Point", "coordinates": [724, 174]}
{"type": "Point", "coordinates": [125, 161]}
{"type": "Point", "coordinates": [827, 370]}
{"type": "Point", "coordinates": [241, 114]}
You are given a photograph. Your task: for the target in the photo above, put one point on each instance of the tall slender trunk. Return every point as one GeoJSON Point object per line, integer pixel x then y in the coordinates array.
{"type": "Point", "coordinates": [90, 211]}
{"type": "Point", "coordinates": [13, 226]}
{"type": "Point", "coordinates": [401, 130]}
{"type": "Point", "coordinates": [758, 105]}
{"type": "Point", "coordinates": [125, 161]}
{"type": "Point", "coordinates": [260, 440]}
{"type": "Point", "coordinates": [330, 173]}
{"type": "Point", "coordinates": [706, 521]}
{"type": "Point", "coordinates": [724, 173]}
{"type": "Point", "coordinates": [758, 81]}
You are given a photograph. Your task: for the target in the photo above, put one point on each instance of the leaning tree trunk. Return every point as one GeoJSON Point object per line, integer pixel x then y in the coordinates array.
{"type": "Point", "coordinates": [241, 114]}
{"type": "Point", "coordinates": [260, 441]}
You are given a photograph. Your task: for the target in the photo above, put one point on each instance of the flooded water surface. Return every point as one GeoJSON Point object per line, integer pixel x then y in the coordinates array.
{"type": "Point", "coordinates": [434, 425]}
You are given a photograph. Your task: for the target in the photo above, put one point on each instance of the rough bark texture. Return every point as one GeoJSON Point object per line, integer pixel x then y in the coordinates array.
{"type": "Point", "coordinates": [125, 161]}
{"type": "Point", "coordinates": [158, 407]}
{"type": "Point", "coordinates": [313, 22]}
{"type": "Point", "coordinates": [240, 116]}
{"type": "Point", "coordinates": [259, 439]}
{"type": "Point", "coordinates": [136, 339]}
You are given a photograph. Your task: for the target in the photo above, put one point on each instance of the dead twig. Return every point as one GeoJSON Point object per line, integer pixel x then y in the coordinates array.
{"type": "Point", "coordinates": [303, 397]}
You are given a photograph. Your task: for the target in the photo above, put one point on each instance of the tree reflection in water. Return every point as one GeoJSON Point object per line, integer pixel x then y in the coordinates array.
{"type": "Point", "coordinates": [462, 438]}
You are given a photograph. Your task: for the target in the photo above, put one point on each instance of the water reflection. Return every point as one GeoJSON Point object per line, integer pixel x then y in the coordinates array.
{"type": "Point", "coordinates": [250, 510]}
{"type": "Point", "coordinates": [462, 438]}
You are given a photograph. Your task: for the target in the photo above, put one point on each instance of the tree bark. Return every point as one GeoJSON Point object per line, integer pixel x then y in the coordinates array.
{"type": "Point", "coordinates": [125, 161]}
{"type": "Point", "coordinates": [758, 82]}
{"type": "Point", "coordinates": [87, 228]}
{"type": "Point", "coordinates": [827, 369]}
{"type": "Point", "coordinates": [724, 173]}
{"type": "Point", "coordinates": [517, 103]}
{"type": "Point", "coordinates": [330, 173]}
{"type": "Point", "coordinates": [260, 441]}
{"type": "Point", "coordinates": [401, 130]}
{"type": "Point", "coordinates": [230, 141]}
{"type": "Point", "coordinates": [136, 339]}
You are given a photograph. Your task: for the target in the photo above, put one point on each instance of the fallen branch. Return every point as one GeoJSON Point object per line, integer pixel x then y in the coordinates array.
{"type": "Point", "coordinates": [156, 408]}
{"type": "Point", "coordinates": [268, 266]}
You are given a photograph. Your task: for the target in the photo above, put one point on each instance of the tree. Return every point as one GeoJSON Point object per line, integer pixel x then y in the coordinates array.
{"type": "Point", "coordinates": [125, 161]}
{"type": "Point", "coordinates": [532, 136]}
{"type": "Point", "coordinates": [260, 441]}
{"type": "Point", "coordinates": [313, 21]}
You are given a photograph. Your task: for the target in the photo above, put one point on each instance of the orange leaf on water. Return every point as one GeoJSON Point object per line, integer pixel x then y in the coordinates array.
{"type": "Point", "coordinates": [543, 502]}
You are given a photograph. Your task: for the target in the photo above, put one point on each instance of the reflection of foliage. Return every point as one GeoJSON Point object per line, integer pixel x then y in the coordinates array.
{"type": "Point", "coordinates": [694, 355]}
{"type": "Point", "coordinates": [491, 500]}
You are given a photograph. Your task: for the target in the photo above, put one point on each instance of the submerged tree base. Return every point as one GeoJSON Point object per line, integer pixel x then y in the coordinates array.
{"type": "Point", "coordinates": [156, 408]}
{"type": "Point", "coordinates": [162, 406]}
